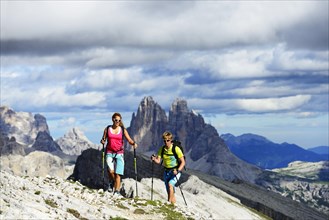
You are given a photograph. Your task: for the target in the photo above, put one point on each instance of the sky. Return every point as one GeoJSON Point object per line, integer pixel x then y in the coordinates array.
{"type": "Point", "coordinates": [246, 66]}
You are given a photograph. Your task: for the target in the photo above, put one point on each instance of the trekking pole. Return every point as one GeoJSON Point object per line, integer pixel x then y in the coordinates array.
{"type": "Point", "coordinates": [135, 164]}
{"type": "Point", "coordinates": [181, 191]}
{"type": "Point", "coordinates": [152, 183]}
{"type": "Point", "coordinates": [103, 170]}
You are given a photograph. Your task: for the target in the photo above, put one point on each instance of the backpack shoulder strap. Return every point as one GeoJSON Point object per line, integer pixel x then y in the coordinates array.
{"type": "Point", "coordinates": [123, 133]}
{"type": "Point", "coordinates": [107, 131]}
{"type": "Point", "coordinates": [162, 151]}
{"type": "Point", "coordinates": [174, 151]}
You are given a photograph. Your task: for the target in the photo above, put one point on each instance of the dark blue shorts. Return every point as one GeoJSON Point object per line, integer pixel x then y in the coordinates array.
{"type": "Point", "coordinates": [170, 178]}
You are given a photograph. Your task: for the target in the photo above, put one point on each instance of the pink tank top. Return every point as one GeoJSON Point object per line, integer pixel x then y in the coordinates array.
{"type": "Point", "coordinates": [115, 143]}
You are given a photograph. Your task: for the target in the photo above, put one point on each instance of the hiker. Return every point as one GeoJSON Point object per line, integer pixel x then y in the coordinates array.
{"type": "Point", "coordinates": [173, 167]}
{"type": "Point", "coordinates": [114, 134]}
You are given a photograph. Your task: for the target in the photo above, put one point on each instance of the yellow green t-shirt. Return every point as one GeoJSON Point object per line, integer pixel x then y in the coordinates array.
{"type": "Point", "coordinates": [169, 160]}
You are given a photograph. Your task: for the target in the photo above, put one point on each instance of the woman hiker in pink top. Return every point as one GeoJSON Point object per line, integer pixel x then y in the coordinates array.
{"type": "Point", "coordinates": [114, 150]}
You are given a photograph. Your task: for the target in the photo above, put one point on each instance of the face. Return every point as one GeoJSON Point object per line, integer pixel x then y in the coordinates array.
{"type": "Point", "coordinates": [116, 120]}
{"type": "Point", "coordinates": [167, 141]}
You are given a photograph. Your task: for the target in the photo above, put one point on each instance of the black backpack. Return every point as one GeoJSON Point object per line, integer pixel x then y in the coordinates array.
{"type": "Point", "coordinates": [176, 143]}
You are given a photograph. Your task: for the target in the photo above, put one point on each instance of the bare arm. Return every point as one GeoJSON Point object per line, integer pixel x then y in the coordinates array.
{"type": "Point", "coordinates": [156, 158]}
{"type": "Point", "coordinates": [104, 136]}
{"type": "Point", "coordinates": [130, 141]}
{"type": "Point", "coordinates": [182, 164]}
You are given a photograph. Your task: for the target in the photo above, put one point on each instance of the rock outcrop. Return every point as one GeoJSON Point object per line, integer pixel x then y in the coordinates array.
{"type": "Point", "coordinates": [88, 169]}
{"type": "Point", "coordinates": [148, 124]}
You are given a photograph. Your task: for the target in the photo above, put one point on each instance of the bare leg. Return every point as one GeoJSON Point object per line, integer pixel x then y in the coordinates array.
{"type": "Point", "coordinates": [171, 195]}
{"type": "Point", "coordinates": [117, 182]}
{"type": "Point", "coordinates": [111, 175]}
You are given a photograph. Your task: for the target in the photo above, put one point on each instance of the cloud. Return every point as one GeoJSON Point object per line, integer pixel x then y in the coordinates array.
{"type": "Point", "coordinates": [51, 98]}
{"type": "Point", "coordinates": [102, 57]}
{"type": "Point", "coordinates": [67, 122]}
{"type": "Point", "coordinates": [63, 26]}
{"type": "Point", "coordinates": [272, 104]}
{"type": "Point", "coordinates": [89, 53]}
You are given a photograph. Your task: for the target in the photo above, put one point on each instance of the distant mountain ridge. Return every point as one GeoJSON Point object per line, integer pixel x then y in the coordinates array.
{"type": "Point", "coordinates": [266, 154]}
{"type": "Point", "coordinates": [320, 150]}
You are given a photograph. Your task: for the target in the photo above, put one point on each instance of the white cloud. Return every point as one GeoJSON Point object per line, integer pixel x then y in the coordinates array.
{"type": "Point", "coordinates": [272, 104]}
{"type": "Point", "coordinates": [67, 122]}
{"type": "Point", "coordinates": [286, 60]}
{"type": "Point", "coordinates": [107, 79]}
{"type": "Point", "coordinates": [50, 97]}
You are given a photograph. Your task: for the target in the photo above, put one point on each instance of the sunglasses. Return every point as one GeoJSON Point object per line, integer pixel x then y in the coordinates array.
{"type": "Point", "coordinates": [167, 140]}
{"type": "Point", "coordinates": [117, 120]}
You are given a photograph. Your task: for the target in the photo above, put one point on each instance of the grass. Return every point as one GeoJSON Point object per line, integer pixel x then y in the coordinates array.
{"type": "Point", "coordinates": [139, 211]}
{"type": "Point", "coordinates": [122, 206]}
{"type": "Point", "coordinates": [51, 203]}
{"type": "Point", "coordinates": [170, 213]}
{"type": "Point", "coordinates": [73, 212]}
{"type": "Point", "coordinates": [37, 192]}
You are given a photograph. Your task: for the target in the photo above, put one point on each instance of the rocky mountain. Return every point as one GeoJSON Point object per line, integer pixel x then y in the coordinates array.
{"type": "Point", "coordinates": [74, 142]}
{"type": "Point", "coordinates": [304, 182]}
{"type": "Point", "coordinates": [308, 170]}
{"type": "Point", "coordinates": [45, 142]}
{"type": "Point", "coordinates": [23, 126]}
{"type": "Point", "coordinates": [205, 150]}
{"type": "Point", "coordinates": [266, 154]}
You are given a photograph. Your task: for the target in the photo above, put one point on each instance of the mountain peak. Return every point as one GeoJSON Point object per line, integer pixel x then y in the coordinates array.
{"type": "Point", "coordinates": [179, 105]}
{"type": "Point", "coordinates": [74, 142]}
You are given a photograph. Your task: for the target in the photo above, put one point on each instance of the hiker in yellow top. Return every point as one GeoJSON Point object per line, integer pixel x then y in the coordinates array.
{"type": "Point", "coordinates": [173, 167]}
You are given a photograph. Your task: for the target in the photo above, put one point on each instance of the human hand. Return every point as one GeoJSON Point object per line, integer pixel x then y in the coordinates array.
{"type": "Point", "coordinates": [175, 172]}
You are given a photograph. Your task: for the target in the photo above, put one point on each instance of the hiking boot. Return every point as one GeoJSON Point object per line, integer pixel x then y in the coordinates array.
{"type": "Point", "coordinates": [111, 185]}
{"type": "Point", "coordinates": [117, 194]}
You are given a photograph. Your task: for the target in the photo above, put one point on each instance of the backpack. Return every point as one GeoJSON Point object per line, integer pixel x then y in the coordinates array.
{"type": "Point", "coordinates": [176, 143]}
